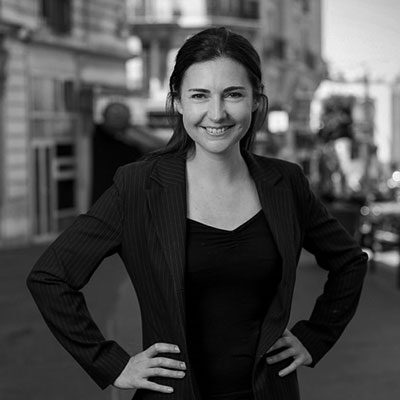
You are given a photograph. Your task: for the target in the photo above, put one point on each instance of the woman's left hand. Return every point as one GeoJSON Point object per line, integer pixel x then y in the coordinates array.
{"type": "Point", "coordinates": [292, 347]}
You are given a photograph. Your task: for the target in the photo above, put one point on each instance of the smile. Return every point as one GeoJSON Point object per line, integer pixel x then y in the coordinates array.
{"type": "Point", "coordinates": [217, 131]}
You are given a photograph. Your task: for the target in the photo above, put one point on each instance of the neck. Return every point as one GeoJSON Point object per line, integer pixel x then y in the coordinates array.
{"type": "Point", "coordinates": [217, 168]}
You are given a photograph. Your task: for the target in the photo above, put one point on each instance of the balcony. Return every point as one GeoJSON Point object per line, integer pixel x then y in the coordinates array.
{"type": "Point", "coordinates": [57, 15]}
{"type": "Point", "coordinates": [275, 48]}
{"type": "Point", "coordinates": [241, 9]}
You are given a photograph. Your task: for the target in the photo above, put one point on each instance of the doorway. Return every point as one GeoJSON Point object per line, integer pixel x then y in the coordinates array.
{"type": "Point", "coordinates": [54, 174]}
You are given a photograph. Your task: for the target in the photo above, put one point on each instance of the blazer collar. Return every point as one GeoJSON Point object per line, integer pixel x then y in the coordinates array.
{"type": "Point", "coordinates": [171, 170]}
{"type": "Point", "coordinates": [262, 169]}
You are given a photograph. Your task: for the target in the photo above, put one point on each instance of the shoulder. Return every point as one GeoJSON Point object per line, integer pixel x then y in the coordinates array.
{"type": "Point", "coordinates": [283, 174]}
{"type": "Point", "coordinates": [287, 169]}
{"type": "Point", "coordinates": [141, 167]}
{"type": "Point", "coordinates": [162, 169]}
{"type": "Point", "coordinates": [134, 174]}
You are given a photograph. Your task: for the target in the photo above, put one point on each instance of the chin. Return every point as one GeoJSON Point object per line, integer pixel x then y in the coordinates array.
{"type": "Point", "coordinates": [220, 148]}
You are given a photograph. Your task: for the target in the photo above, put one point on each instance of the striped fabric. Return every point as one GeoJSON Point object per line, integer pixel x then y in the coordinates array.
{"type": "Point", "coordinates": [142, 217]}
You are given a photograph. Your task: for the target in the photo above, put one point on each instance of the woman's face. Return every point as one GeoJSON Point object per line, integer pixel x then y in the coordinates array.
{"type": "Point", "coordinates": [216, 103]}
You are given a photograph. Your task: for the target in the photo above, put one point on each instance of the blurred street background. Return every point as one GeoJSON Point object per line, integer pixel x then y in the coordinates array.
{"type": "Point", "coordinates": [82, 90]}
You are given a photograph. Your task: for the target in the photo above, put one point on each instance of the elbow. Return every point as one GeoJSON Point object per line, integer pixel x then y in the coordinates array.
{"type": "Point", "coordinates": [32, 283]}
{"type": "Point", "coordinates": [364, 262]}
{"type": "Point", "coordinates": [37, 281]}
{"type": "Point", "coordinates": [43, 273]}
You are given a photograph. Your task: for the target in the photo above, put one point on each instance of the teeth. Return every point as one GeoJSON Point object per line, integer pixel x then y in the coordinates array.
{"type": "Point", "coordinates": [216, 131]}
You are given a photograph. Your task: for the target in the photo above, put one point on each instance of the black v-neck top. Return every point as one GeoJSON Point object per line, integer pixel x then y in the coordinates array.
{"type": "Point", "coordinates": [231, 278]}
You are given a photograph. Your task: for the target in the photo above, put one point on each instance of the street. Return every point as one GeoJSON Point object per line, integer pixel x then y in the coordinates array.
{"type": "Point", "coordinates": [363, 365]}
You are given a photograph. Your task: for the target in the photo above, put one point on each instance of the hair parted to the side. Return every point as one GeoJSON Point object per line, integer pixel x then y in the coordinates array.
{"type": "Point", "coordinates": [207, 45]}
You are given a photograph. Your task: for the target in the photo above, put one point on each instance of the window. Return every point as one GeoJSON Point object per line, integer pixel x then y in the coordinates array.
{"type": "Point", "coordinates": [42, 97]}
{"type": "Point", "coordinates": [55, 185]}
{"type": "Point", "coordinates": [250, 9]}
{"type": "Point", "coordinates": [275, 48]}
{"type": "Point", "coordinates": [53, 95]}
{"type": "Point", "coordinates": [69, 95]}
{"type": "Point", "coordinates": [305, 5]}
{"type": "Point", "coordinates": [211, 7]}
{"type": "Point", "coordinates": [310, 59]}
{"type": "Point", "coordinates": [57, 14]}
{"type": "Point", "coordinates": [224, 8]}
{"type": "Point", "coordinates": [234, 8]}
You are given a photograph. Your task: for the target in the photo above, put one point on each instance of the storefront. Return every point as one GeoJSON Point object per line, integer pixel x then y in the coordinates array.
{"type": "Point", "coordinates": [47, 105]}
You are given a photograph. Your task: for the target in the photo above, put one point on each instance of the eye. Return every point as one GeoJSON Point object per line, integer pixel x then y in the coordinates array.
{"type": "Point", "coordinates": [198, 96]}
{"type": "Point", "coordinates": [234, 95]}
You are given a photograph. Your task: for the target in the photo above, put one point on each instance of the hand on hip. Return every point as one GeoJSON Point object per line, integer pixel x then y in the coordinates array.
{"type": "Point", "coordinates": [290, 347]}
{"type": "Point", "coordinates": [147, 364]}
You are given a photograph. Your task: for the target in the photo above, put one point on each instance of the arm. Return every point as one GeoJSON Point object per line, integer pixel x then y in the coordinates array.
{"type": "Point", "coordinates": [337, 252]}
{"type": "Point", "coordinates": [64, 268]}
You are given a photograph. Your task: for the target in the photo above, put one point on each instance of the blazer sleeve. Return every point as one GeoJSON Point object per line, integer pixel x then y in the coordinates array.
{"type": "Point", "coordinates": [64, 268]}
{"type": "Point", "coordinates": [338, 253]}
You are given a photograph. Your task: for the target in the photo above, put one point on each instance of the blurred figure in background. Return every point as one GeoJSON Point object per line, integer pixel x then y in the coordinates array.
{"type": "Point", "coordinates": [116, 142]}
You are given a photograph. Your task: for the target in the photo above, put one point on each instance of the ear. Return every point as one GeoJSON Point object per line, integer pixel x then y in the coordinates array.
{"type": "Point", "coordinates": [178, 106]}
{"type": "Point", "coordinates": [256, 103]}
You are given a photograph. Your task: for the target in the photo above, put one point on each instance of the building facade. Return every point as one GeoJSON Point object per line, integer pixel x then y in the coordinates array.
{"type": "Point", "coordinates": [395, 144]}
{"type": "Point", "coordinates": [286, 33]}
{"type": "Point", "coordinates": [54, 56]}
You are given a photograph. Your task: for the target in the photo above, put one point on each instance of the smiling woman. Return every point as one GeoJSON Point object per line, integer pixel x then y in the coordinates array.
{"type": "Point", "coordinates": [214, 47]}
{"type": "Point", "coordinates": [216, 103]}
{"type": "Point", "coordinates": [211, 236]}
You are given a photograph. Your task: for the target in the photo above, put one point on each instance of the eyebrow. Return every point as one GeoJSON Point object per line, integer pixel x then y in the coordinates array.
{"type": "Point", "coordinates": [228, 89]}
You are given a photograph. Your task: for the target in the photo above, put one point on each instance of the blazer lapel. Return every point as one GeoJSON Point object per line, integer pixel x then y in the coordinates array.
{"type": "Point", "coordinates": [167, 203]}
{"type": "Point", "coordinates": [277, 204]}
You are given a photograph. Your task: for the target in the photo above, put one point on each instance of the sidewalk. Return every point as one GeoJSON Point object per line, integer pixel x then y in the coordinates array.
{"type": "Point", "coordinates": [363, 365]}
{"type": "Point", "coordinates": [33, 365]}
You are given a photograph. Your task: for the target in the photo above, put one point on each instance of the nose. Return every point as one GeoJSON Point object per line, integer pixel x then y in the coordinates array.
{"type": "Point", "coordinates": [216, 109]}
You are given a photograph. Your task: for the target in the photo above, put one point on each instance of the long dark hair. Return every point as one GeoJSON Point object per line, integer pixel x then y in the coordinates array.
{"type": "Point", "coordinates": [207, 45]}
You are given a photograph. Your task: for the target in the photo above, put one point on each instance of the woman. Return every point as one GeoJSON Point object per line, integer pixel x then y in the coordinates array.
{"type": "Point", "coordinates": [210, 235]}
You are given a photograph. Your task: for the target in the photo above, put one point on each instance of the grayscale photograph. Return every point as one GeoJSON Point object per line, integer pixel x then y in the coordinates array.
{"type": "Point", "coordinates": [199, 199]}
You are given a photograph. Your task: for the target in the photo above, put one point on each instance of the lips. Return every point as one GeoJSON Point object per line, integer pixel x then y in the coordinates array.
{"type": "Point", "coordinates": [213, 131]}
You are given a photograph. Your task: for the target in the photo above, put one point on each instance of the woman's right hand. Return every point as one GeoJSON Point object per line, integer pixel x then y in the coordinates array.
{"type": "Point", "coordinates": [145, 364]}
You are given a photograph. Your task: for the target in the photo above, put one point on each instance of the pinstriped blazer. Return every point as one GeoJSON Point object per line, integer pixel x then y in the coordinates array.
{"type": "Point", "coordinates": [142, 216]}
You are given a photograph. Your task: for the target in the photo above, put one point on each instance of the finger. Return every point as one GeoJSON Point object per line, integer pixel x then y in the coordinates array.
{"type": "Point", "coordinates": [292, 367]}
{"type": "Point", "coordinates": [161, 348]}
{"type": "Point", "coordinates": [281, 356]}
{"type": "Point", "coordinates": [169, 373]}
{"type": "Point", "coordinates": [308, 358]}
{"type": "Point", "coordinates": [155, 387]}
{"type": "Point", "coordinates": [282, 342]}
{"type": "Point", "coordinates": [166, 362]}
